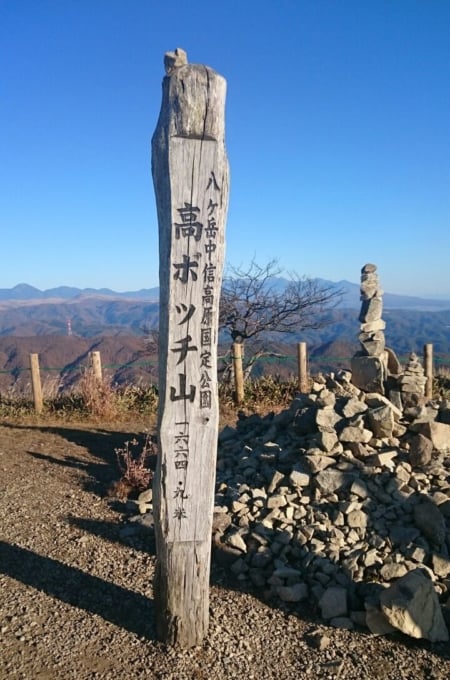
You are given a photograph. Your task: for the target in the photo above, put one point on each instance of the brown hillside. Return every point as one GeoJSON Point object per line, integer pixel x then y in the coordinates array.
{"type": "Point", "coordinates": [128, 359]}
{"type": "Point", "coordinates": [333, 355]}
{"type": "Point", "coordinates": [63, 358]}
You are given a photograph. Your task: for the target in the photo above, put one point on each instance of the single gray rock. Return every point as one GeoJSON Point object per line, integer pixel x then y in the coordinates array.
{"type": "Point", "coordinates": [376, 621]}
{"type": "Point", "coordinates": [439, 433]}
{"type": "Point", "coordinates": [145, 496]}
{"type": "Point", "coordinates": [329, 481]}
{"type": "Point", "coordinates": [374, 400]}
{"type": "Point", "coordinates": [326, 440]}
{"type": "Point", "coordinates": [299, 479]}
{"type": "Point", "coordinates": [333, 602]}
{"type": "Point", "coordinates": [368, 373]}
{"type": "Point", "coordinates": [371, 309]}
{"type": "Point", "coordinates": [355, 434]}
{"type": "Point", "coordinates": [318, 462]}
{"type": "Point", "coordinates": [295, 593]}
{"type": "Point", "coordinates": [274, 482]}
{"type": "Point", "coordinates": [412, 606]}
{"type": "Point", "coordinates": [327, 418]}
{"type": "Point", "coordinates": [420, 450]}
{"type": "Point", "coordinates": [235, 540]}
{"type": "Point", "coordinates": [221, 522]}
{"type": "Point", "coordinates": [318, 640]}
{"type": "Point", "coordinates": [381, 421]}
{"type": "Point", "coordinates": [385, 459]}
{"type": "Point", "coordinates": [359, 488]}
{"type": "Point", "coordinates": [430, 521]}
{"type": "Point", "coordinates": [357, 519]}
{"type": "Point", "coordinates": [276, 501]}
{"type": "Point", "coordinates": [373, 342]}
{"type": "Point", "coordinates": [441, 565]}
{"type": "Point", "coordinates": [393, 570]}
{"type": "Point", "coordinates": [353, 407]}
{"type": "Point", "coordinates": [394, 368]}
{"type": "Point", "coordinates": [287, 572]}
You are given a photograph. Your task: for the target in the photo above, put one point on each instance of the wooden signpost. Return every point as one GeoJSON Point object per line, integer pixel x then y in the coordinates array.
{"type": "Point", "coordinates": [190, 175]}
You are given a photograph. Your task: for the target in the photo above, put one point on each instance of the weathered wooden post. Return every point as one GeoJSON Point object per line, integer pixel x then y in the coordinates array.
{"type": "Point", "coordinates": [238, 373]}
{"type": "Point", "coordinates": [428, 369]}
{"type": "Point", "coordinates": [36, 383]}
{"type": "Point", "coordinates": [302, 359]}
{"type": "Point", "coordinates": [96, 365]}
{"type": "Point", "coordinates": [190, 175]}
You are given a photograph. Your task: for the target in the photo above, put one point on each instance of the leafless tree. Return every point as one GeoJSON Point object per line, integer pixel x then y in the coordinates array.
{"type": "Point", "coordinates": [253, 306]}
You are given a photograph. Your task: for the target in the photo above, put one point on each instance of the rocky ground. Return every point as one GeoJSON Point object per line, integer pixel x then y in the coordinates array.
{"type": "Point", "coordinates": [342, 500]}
{"type": "Point", "coordinates": [76, 584]}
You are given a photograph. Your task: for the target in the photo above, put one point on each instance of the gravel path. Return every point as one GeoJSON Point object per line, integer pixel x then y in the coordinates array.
{"type": "Point", "coordinates": [76, 587]}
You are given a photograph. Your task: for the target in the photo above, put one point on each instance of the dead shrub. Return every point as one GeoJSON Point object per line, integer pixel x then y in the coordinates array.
{"type": "Point", "coordinates": [135, 467]}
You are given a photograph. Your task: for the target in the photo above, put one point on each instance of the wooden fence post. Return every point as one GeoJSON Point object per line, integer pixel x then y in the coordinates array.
{"type": "Point", "coordinates": [238, 373]}
{"type": "Point", "coordinates": [96, 365]}
{"type": "Point", "coordinates": [428, 368]}
{"type": "Point", "coordinates": [190, 175]}
{"type": "Point", "coordinates": [36, 383]}
{"type": "Point", "coordinates": [303, 378]}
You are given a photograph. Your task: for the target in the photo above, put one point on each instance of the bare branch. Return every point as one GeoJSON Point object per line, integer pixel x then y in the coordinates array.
{"type": "Point", "coordinates": [254, 303]}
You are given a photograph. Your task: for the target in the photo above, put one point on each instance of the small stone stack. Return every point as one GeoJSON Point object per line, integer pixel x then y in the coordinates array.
{"type": "Point", "coordinates": [369, 366]}
{"type": "Point", "coordinates": [412, 382]}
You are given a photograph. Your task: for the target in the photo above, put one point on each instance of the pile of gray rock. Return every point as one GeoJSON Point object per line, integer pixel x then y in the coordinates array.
{"type": "Point", "coordinates": [342, 502]}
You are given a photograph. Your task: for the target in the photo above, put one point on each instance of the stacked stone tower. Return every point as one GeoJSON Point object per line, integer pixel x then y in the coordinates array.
{"type": "Point", "coordinates": [369, 365]}
{"type": "Point", "coordinates": [375, 368]}
{"type": "Point", "coordinates": [371, 335]}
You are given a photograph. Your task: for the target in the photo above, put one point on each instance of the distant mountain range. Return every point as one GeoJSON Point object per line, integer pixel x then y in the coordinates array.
{"type": "Point", "coordinates": [86, 313]}
{"type": "Point", "coordinates": [119, 324]}
{"type": "Point", "coordinates": [23, 292]}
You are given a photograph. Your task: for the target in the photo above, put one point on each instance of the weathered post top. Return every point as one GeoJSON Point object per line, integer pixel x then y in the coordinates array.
{"type": "Point", "coordinates": [193, 101]}
{"type": "Point", "coordinates": [190, 175]}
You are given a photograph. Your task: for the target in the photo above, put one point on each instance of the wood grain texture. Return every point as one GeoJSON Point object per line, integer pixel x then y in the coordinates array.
{"type": "Point", "coordinates": [190, 174]}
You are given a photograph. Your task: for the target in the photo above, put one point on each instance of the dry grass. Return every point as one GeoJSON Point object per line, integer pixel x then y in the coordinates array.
{"type": "Point", "coordinates": [98, 395]}
{"type": "Point", "coordinates": [101, 401]}
{"type": "Point", "coordinates": [266, 393]}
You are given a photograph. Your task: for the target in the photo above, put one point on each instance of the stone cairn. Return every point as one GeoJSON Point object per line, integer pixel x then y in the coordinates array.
{"type": "Point", "coordinates": [375, 368]}
{"type": "Point", "coordinates": [369, 366]}
{"type": "Point", "coordinates": [341, 503]}
{"type": "Point", "coordinates": [338, 504]}
{"type": "Point", "coordinates": [412, 383]}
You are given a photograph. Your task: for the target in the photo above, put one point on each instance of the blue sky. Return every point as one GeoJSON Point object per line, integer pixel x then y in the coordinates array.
{"type": "Point", "coordinates": [337, 131]}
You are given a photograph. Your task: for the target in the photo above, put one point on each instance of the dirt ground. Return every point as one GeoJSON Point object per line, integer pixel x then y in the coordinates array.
{"type": "Point", "coordinates": [76, 585]}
